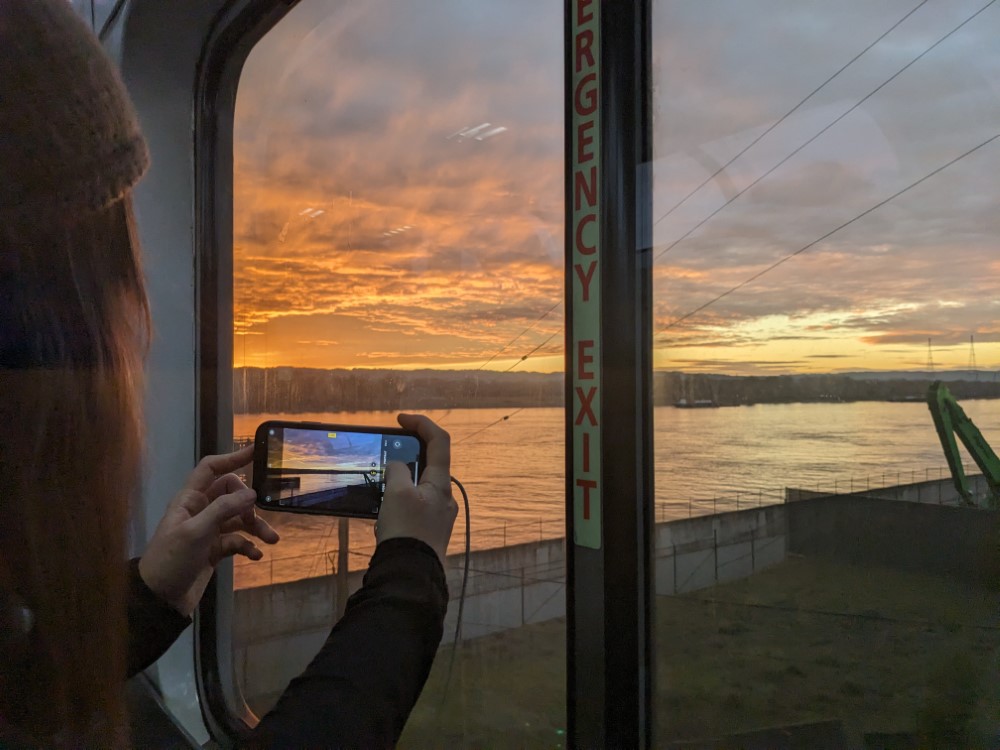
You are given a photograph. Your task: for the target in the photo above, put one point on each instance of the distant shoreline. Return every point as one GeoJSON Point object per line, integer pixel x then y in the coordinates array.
{"type": "Point", "coordinates": [292, 390]}
{"type": "Point", "coordinates": [395, 410]}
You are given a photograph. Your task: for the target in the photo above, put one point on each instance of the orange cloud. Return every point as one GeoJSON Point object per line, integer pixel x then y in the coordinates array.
{"type": "Point", "coordinates": [364, 220]}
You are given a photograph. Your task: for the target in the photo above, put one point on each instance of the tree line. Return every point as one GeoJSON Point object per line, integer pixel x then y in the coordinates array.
{"type": "Point", "coordinates": [298, 389]}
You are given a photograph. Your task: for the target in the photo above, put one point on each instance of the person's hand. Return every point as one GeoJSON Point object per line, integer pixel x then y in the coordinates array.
{"type": "Point", "coordinates": [201, 527]}
{"type": "Point", "coordinates": [425, 511]}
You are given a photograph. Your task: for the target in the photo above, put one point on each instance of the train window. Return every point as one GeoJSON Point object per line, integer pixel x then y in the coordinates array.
{"type": "Point", "coordinates": [824, 251]}
{"type": "Point", "coordinates": [398, 226]}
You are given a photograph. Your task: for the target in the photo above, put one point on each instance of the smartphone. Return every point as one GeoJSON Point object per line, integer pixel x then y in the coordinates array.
{"type": "Point", "coordinates": [329, 469]}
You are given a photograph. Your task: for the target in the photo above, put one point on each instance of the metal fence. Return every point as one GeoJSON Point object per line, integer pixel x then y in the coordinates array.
{"type": "Point", "coordinates": [709, 560]}
{"type": "Point", "coordinates": [741, 500]}
{"type": "Point", "coordinates": [509, 533]}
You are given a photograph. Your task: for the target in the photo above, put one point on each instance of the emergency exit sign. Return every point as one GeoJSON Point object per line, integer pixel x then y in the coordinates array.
{"type": "Point", "coordinates": [585, 275]}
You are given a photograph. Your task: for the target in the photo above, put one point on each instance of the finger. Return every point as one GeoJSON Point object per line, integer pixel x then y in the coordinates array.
{"type": "Point", "coordinates": [223, 509]}
{"type": "Point", "coordinates": [438, 468]}
{"type": "Point", "coordinates": [224, 485]}
{"type": "Point", "coordinates": [398, 478]}
{"type": "Point", "coordinates": [192, 501]}
{"type": "Point", "coordinates": [236, 544]}
{"type": "Point", "coordinates": [264, 531]}
{"type": "Point", "coordinates": [211, 468]}
{"type": "Point", "coordinates": [251, 523]}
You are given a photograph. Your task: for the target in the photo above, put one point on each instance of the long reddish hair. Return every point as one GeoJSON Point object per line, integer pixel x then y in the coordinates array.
{"type": "Point", "coordinates": [75, 325]}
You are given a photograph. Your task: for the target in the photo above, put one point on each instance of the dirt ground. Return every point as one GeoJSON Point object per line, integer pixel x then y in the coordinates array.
{"type": "Point", "coordinates": [879, 649]}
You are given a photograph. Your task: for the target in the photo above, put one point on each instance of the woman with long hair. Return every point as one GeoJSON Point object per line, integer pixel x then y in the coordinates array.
{"type": "Point", "coordinates": [76, 617]}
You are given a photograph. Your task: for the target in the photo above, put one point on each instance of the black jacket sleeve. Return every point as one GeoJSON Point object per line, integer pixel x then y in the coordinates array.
{"type": "Point", "coordinates": [153, 625]}
{"type": "Point", "coordinates": [361, 687]}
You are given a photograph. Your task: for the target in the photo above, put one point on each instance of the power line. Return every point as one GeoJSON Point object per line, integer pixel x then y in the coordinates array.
{"type": "Point", "coordinates": [526, 330]}
{"type": "Point", "coordinates": [759, 179]}
{"type": "Point", "coordinates": [790, 112]}
{"type": "Point", "coordinates": [815, 242]}
{"type": "Point", "coordinates": [755, 182]}
{"type": "Point", "coordinates": [728, 163]}
{"type": "Point", "coordinates": [532, 351]}
{"type": "Point", "coordinates": [491, 424]}
{"type": "Point", "coordinates": [868, 96]}
{"type": "Point", "coordinates": [508, 416]}
{"type": "Point", "coordinates": [738, 155]}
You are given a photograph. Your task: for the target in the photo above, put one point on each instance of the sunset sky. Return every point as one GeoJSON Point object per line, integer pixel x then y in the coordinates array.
{"type": "Point", "coordinates": [380, 222]}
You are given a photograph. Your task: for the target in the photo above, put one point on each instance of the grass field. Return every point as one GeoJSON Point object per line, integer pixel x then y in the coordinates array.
{"type": "Point", "coordinates": [804, 641]}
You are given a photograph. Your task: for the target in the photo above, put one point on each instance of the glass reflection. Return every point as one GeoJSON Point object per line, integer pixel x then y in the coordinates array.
{"type": "Point", "coordinates": [398, 247]}
{"type": "Point", "coordinates": [824, 252]}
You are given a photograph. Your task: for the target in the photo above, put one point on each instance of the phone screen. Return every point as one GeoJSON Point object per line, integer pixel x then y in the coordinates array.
{"type": "Point", "coordinates": [327, 469]}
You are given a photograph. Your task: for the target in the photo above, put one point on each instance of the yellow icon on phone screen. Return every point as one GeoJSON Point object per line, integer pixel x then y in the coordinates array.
{"type": "Point", "coordinates": [331, 434]}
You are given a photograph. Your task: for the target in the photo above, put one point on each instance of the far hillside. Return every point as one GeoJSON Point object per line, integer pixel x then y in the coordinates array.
{"type": "Point", "coordinates": [296, 389]}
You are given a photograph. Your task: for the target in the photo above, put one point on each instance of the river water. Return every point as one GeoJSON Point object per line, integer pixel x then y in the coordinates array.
{"type": "Point", "coordinates": [706, 459]}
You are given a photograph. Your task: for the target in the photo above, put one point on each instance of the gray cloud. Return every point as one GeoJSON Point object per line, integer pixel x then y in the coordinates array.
{"type": "Point", "coordinates": [349, 109]}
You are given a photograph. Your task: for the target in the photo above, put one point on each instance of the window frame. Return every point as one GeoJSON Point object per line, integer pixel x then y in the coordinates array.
{"type": "Point", "coordinates": [610, 662]}
{"type": "Point", "coordinates": [229, 42]}
{"type": "Point", "coordinates": [609, 590]}
{"type": "Point", "coordinates": [160, 46]}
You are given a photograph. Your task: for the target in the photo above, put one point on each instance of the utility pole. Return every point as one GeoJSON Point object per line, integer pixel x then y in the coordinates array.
{"type": "Point", "coordinates": [343, 563]}
{"type": "Point", "coordinates": [930, 356]}
{"type": "Point", "coordinates": [972, 358]}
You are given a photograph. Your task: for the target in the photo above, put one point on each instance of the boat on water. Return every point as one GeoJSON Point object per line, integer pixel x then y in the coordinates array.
{"type": "Point", "coordinates": [696, 403]}
{"type": "Point", "coordinates": [689, 385]}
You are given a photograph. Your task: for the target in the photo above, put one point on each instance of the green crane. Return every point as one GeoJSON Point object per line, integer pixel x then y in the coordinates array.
{"type": "Point", "coordinates": [950, 419]}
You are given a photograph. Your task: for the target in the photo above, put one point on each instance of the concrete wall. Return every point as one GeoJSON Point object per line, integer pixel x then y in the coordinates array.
{"type": "Point", "coordinates": [960, 543]}
{"type": "Point", "coordinates": [508, 587]}
{"type": "Point", "coordinates": [940, 492]}
{"type": "Point", "coordinates": [934, 491]}
{"type": "Point", "coordinates": [280, 628]}
{"type": "Point", "coordinates": [696, 553]}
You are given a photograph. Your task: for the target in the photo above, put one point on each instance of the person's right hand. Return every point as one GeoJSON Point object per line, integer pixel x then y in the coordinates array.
{"type": "Point", "coordinates": [200, 528]}
{"type": "Point", "coordinates": [425, 511]}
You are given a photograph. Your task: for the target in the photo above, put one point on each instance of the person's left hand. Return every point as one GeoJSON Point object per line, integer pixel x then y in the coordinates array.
{"type": "Point", "coordinates": [201, 527]}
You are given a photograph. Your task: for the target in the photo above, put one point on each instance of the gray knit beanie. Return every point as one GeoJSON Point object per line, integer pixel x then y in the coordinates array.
{"type": "Point", "coordinates": [69, 138]}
